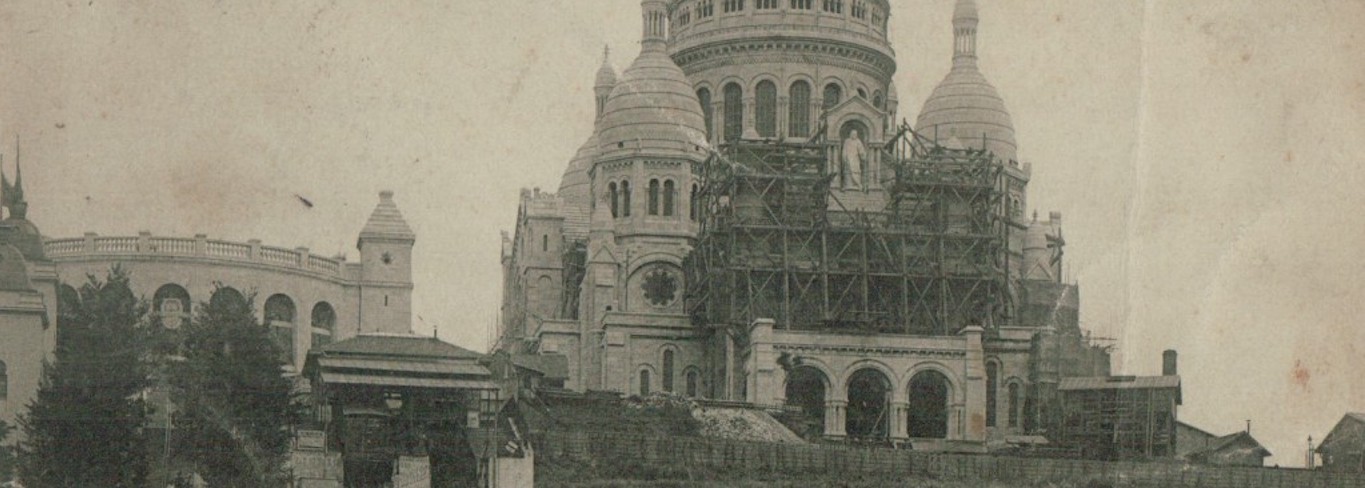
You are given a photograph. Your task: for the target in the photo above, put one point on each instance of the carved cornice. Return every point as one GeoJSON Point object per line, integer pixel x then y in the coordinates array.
{"type": "Point", "coordinates": [851, 350]}
{"type": "Point", "coordinates": [798, 51]}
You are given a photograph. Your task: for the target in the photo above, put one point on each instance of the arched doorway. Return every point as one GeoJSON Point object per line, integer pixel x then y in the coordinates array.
{"type": "Point", "coordinates": [806, 390]}
{"type": "Point", "coordinates": [928, 414]}
{"type": "Point", "coordinates": [869, 398]}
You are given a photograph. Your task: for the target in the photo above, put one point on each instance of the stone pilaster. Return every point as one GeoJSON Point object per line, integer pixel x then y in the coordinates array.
{"type": "Point", "coordinates": [764, 384]}
{"type": "Point", "coordinates": [971, 407]}
{"type": "Point", "coordinates": [899, 412]}
{"type": "Point", "coordinates": [834, 418]}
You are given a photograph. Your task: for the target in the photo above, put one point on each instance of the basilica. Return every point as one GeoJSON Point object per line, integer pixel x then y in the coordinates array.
{"type": "Point", "coordinates": [751, 221]}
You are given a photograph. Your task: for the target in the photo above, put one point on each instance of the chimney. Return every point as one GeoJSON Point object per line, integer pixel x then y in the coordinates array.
{"type": "Point", "coordinates": [1168, 363]}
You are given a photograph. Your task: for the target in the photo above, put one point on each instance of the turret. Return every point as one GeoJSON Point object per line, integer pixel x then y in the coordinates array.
{"type": "Point", "coordinates": [385, 246]}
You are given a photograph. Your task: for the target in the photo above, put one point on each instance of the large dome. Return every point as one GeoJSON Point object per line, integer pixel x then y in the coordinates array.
{"type": "Point", "coordinates": [965, 110]}
{"type": "Point", "coordinates": [652, 108]}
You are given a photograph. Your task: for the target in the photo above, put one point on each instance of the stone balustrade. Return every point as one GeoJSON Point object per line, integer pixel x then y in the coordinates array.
{"type": "Point", "coordinates": [199, 246]}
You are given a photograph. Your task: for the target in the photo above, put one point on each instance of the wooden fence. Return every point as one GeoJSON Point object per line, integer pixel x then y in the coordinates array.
{"type": "Point", "coordinates": [684, 453]}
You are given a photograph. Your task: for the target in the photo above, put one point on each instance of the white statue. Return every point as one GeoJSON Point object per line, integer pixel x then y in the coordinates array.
{"type": "Point", "coordinates": [854, 154]}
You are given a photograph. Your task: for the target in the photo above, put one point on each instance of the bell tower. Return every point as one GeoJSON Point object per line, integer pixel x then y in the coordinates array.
{"type": "Point", "coordinates": [385, 246]}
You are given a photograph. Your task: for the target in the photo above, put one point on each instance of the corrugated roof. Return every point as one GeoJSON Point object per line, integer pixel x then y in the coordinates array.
{"type": "Point", "coordinates": [375, 364]}
{"type": "Point", "coordinates": [386, 221]}
{"type": "Point", "coordinates": [1118, 383]}
{"type": "Point", "coordinates": [399, 345]}
{"type": "Point", "coordinates": [366, 379]}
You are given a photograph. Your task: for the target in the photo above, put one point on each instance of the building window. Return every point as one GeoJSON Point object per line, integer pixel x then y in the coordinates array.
{"type": "Point", "coordinates": [644, 382]}
{"type": "Point", "coordinates": [705, 9]}
{"type": "Point", "coordinates": [683, 17]}
{"type": "Point", "coordinates": [611, 193]}
{"type": "Point", "coordinates": [667, 379]}
{"type": "Point", "coordinates": [4, 381]}
{"type": "Point", "coordinates": [704, 96]}
{"type": "Point", "coordinates": [862, 94]}
{"type": "Point", "coordinates": [734, 112]}
{"type": "Point", "coordinates": [765, 4]}
{"type": "Point", "coordinates": [992, 379]}
{"type": "Point", "coordinates": [670, 198]}
{"type": "Point", "coordinates": [833, 94]}
{"type": "Point", "coordinates": [733, 6]}
{"type": "Point", "coordinates": [833, 6]}
{"type": "Point", "coordinates": [279, 314]}
{"type": "Point", "coordinates": [877, 101]}
{"type": "Point", "coordinates": [798, 113]}
{"type": "Point", "coordinates": [858, 9]}
{"type": "Point", "coordinates": [324, 321]}
{"type": "Point", "coordinates": [625, 198]}
{"type": "Point", "coordinates": [654, 197]}
{"type": "Point", "coordinates": [692, 383]}
{"type": "Point", "coordinates": [802, 4]}
{"type": "Point", "coordinates": [692, 204]}
{"type": "Point", "coordinates": [544, 243]}
{"type": "Point", "coordinates": [765, 108]}
{"type": "Point", "coordinates": [1014, 404]}
{"type": "Point", "coordinates": [877, 17]}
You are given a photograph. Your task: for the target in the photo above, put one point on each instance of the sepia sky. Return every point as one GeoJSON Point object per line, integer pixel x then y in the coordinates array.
{"type": "Point", "coordinates": [1206, 156]}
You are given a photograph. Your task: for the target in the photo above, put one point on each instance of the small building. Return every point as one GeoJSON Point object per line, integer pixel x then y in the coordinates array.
{"type": "Point", "coordinates": [397, 408]}
{"type": "Point", "coordinates": [1201, 447]}
{"type": "Point", "coordinates": [1344, 447]}
{"type": "Point", "coordinates": [1121, 417]}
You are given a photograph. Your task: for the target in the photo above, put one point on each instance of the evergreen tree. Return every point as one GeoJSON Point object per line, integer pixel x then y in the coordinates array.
{"type": "Point", "coordinates": [235, 404]}
{"type": "Point", "coordinates": [84, 426]}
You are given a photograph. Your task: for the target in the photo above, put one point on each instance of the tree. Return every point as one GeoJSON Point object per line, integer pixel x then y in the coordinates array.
{"type": "Point", "coordinates": [235, 405]}
{"type": "Point", "coordinates": [84, 426]}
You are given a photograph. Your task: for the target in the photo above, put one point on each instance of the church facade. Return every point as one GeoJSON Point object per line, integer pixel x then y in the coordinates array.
{"type": "Point", "coordinates": [749, 222]}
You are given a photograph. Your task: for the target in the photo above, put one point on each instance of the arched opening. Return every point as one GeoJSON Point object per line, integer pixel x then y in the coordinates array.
{"type": "Point", "coordinates": [734, 112]}
{"type": "Point", "coordinates": [654, 197]}
{"type": "Point", "coordinates": [670, 198]}
{"type": "Point", "coordinates": [625, 198]}
{"type": "Point", "coordinates": [1013, 403]}
{"type": "Point", "coordinates": [704, 96]}
{"type": "Point", "coordinates": [806, 390]}
{"type": "Point", "coordinates": [847, 129]}
{"type": "Point", "coordinates": [324, 322]}
{"type": "Point", "coordinates": [992, 384]}
{"type": "Point", "coordinates": [228, 299]}
{"type": "Point", "coordinates": [693, 383]}
{"type": "Point", "coordinates": [765, 108]}
{"type": "Point", "coordinates": [644, 382]}
{"type": "Point", "coordinates": [798, 112]}
{"type": "Point", "coordinates": [279, 314]}
{"type": "Point", "coordinates": [869, 400]}
{"type": "Point", "coordinates": [611, 193]}
{"type": "Point", "coordinates": [833, 95]}
{"type": "Point", "coordinates": [171, 304]}
{"type": "Point", "coordinates": [928, 414]}
{"type": "Point", "coordinates": [667, 377]}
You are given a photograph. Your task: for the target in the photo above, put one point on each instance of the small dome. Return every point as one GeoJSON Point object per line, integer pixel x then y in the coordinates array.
{"type": "Point", "coordinates": [652, 108]}
{"type": "Point", "coordinates": [13, 272]}
{"type": "Point", "coordinates": [606, 75]}
{"type": "Point", "coordinates": [965, 106]}
{"type": "Point", "coordinates": [575, 189]}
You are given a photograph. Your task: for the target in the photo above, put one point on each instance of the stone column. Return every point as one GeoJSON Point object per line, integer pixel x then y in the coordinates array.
{"type": "Point", "coordinates": [899, 429]}
{"type": "Point", "coordinates": [717, 121]}
{"type": "Point", "coordinates": [834, 418]}
{"type": "Point", "coordinates": [750, 132]}
{"type": "Point", "coordinates": [971, 410]}
{"type": "Point", "coordinates": [782, 115]}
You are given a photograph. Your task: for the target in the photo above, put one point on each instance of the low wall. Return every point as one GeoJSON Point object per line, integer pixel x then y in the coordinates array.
{"type": "Point", "coordinates": [684, 453]}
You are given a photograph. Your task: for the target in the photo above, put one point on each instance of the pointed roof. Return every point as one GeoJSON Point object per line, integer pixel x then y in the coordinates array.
{"type": "Point", "coordinates": [606, 75]}
{"type": "Point", "coordinates": [386, 222]}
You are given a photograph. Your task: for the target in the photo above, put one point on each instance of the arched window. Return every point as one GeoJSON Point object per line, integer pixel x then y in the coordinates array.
{"type": "Point", "coordinates": [765, 109]}
{"type": "Point", "coordinates": [833, 95]}
{"type": "Point", "coordinates": [654, 197]}
{"type": "Point", "coordinates": [992, 380]}
{"type": "Point", "coordinates": [171, 303]}
{"type": "Point", "coordinates": [625, 198]}
{"type": "Point", "coordinates": [670, 198]}
{"type": "Point", "coordinates": [692, 204]}
{"type": "Point", "coordinates": [704, 96]}
{"type": "Point", "coordinates": [1014, 404]}
{"type": "Point", "coordinates": [644, 382]}
{"type": "Point", "coordinates": [798, 111]}
{"type": "Point", "coordinates": [667, 379]}
{"type": "Point", "coordinates": [229, 298]}
{"type": "Point", "coordinates": [611, 193]}
{"type": "Point", "coordinates": [692, 383]}
{"type": "Point", "coordinates": [4, 381]}
{"type": "Point", "coordinates": [545, 242]}
{"type": "Point", "coordinates": [323, 324]}
{"type": "Point", "coordinates": [734, 112]}
{"type": "Point", "coordinates": [279, 313]}
{"type": "Point", "coordinates": [802, 4]}
{"type": "Point", "coordinates": [877, 100]}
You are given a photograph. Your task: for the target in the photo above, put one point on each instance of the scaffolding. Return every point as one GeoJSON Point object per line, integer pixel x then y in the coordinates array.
{"type": "Point", "coordinates": [777, 239]}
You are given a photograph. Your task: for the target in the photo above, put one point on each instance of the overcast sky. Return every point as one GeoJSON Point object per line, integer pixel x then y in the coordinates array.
{"type": "Point", "coordinates": [1205, 155]}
